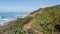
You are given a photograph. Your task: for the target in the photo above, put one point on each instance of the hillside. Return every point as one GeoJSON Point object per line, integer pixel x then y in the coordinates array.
{"type": "Point", "coordinates": [42, 21]}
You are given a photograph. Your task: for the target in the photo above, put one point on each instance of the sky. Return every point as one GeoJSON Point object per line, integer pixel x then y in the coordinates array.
{"type": "Point", "coordinates": [25, 5]}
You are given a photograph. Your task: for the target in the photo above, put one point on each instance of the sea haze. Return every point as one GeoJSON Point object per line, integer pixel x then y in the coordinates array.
{"type": "Point", "coordinates": [8, 16]}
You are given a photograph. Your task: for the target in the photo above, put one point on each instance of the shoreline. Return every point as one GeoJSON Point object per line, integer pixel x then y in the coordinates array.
{"type": "Point", "coordinates": [10, 19]}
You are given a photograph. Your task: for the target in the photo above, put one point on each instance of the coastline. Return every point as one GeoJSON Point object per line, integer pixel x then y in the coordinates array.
{"type": "Point", "coordinates": [10, 19]}
{"type": "Point", "coordinates": [7, 17]}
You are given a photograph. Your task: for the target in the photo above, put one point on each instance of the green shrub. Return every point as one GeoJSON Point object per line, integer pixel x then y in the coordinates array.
{"type": "Point", "coordinates": [46, 21]}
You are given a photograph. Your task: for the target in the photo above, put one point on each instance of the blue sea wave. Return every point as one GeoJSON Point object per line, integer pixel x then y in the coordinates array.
{"type": "Point", "coordinates": [6, 17]}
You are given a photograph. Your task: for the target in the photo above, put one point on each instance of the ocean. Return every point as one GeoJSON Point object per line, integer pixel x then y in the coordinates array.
{"type": "Point", "coordinates": [8, 16]}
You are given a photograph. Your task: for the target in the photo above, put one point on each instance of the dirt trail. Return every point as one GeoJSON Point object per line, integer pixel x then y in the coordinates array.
{"type": "Point", "coordinates": [28, 26]}
{"type": "Point", "coordinates": [39, 32]}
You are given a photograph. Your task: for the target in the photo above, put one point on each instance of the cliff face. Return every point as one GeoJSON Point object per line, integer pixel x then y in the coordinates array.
{"type": "Point", "coordinates": [41, 21]}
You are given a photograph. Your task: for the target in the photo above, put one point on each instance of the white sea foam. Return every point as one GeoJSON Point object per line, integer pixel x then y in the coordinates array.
{"type": "Point", "coordinates": [0, 17]}
{"type": "Point", "coordinates": [6, 17]}
{"type": "Point", "coordinates": [6, 20]}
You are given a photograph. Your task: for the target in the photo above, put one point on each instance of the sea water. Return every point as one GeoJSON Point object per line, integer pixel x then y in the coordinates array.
{"type": "Point", "coordinates": [8, 16]}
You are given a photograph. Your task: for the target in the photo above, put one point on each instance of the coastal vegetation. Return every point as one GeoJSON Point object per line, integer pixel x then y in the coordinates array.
{"type": "Point", "coordinates": [45, 20]}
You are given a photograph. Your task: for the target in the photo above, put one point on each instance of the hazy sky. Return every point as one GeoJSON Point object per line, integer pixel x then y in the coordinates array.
{"type": "Point", "coordinates": [25, 5]}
